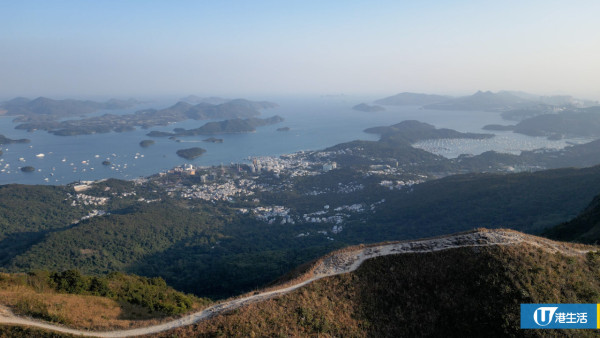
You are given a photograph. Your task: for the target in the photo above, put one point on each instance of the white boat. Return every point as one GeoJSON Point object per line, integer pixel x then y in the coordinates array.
{"type": "Point", "coordinates": [40, 155]}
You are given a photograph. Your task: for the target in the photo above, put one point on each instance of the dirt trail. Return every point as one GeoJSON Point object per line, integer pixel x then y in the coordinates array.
{"type": "Point", "coordinates": [333, 264]}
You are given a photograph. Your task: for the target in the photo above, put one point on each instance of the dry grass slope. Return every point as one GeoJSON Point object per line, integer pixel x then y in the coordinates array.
{"type": "Point", "coordinates": [470, 291]}
{"type": "Point", "coordinates": [29, 295]}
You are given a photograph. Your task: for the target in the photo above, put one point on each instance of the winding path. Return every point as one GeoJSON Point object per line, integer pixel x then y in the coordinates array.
{"type": "Point", "coordinates": [339, 262]}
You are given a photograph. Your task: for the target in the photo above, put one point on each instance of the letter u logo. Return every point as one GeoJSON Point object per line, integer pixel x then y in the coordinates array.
{"type": "Point", "coordinates": [543, 315]}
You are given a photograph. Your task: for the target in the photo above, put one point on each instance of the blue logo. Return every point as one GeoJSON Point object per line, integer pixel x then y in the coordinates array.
{"type": "Point", "coordinates": [559, 316]}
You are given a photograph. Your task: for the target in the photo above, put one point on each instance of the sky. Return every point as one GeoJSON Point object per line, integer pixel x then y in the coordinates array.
{"type": "Point", "coordinates": [89, 48]}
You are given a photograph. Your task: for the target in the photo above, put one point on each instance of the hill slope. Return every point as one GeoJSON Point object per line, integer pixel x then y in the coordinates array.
{"type": "Point", "coordinates": [474, 290]}
{"type": "Point", "coordinates": [584, 228]}
{"type": "Point", "coordinates": [469, 284]}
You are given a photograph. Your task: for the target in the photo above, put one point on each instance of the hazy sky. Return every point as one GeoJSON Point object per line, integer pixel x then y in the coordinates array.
{"type": "Point", "coordinates": [253, 48]}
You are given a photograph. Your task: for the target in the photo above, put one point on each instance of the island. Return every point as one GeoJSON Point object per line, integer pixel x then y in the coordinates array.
{"type": "Point", "coordinates": [146, 143]}
{"type": "Point", "coordinates": [193, 99]}
{"type": "Point", "coordinates": [411, 99]}
{"type": "Point", "coordinates": [498, 127]}
{"type": "Point", "coordinates": [190, 153]}
{"type": "Point", "coordinates": [6, 140]}
{"type": "Point", "coordinates": [233, 109]}
{"type": "Point", "coordinates": [283, 129]}
{"type": "Point", "coordinates": [367, 108]}
{"type": "Point", "coordinates": [221, 127]}
{"type": "Point", "coordinates": [485, 101]}
{"type": "Point", "coordinates": [213, 140]}
{"type": "Point", "coordinates": [28, 169]}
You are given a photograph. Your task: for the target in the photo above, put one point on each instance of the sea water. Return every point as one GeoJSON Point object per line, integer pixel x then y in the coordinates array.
{"type": "Point", "coordinates": [315, 123]}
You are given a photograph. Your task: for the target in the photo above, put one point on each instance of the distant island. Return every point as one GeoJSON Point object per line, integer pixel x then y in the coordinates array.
{"type": "Point", "coordinates": [234, 109]}
{"type": "Point", "coordinates": [221, 127]}
{"type": "Point", "coordinates": [411, 99]}
{"type": "Point", "coordinates": [498, 127]}
{"type": "Point", "coordinates": [513, 105]}
{"type": "Point", "coordinates": [411, 131]}
{"type": "Point", "coordinates": [367, 108]}
{"type": "Point", "coordinates": [484, 101]}
{"type": "Point", "coordinates": [45, 109]}
{"type": "Point", "coordinates": [283, 129]}
{"type": "Point", "coordinates": [146, 143]}
{"type": "Point", "coordinates": [28, 169]}
{"type": "Point", "coordinates": [213, 140]}
{"type": "Point", "coordinates": [193, 99]}
{"type": "Point", "coordinates": [6, 140]}
{"type": "Point", "coordinates": [190, 153]}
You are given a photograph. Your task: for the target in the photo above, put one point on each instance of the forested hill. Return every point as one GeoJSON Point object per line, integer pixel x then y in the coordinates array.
{"type": "Point", "coordinates": [214, 250]}
{"type": "Point", "coordinates": [584, 228]}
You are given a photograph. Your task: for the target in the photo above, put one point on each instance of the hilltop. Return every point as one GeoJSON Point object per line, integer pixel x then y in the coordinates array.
{"type": "Point", "coordinates": [471, 286]}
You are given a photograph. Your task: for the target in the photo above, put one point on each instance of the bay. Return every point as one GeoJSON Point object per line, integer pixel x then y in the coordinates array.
{"type": "Point", "coordinates": [315, 123]}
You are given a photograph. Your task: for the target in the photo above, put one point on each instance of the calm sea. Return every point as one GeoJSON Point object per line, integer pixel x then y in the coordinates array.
{"type": "Point", "coordinates": [315, 123]}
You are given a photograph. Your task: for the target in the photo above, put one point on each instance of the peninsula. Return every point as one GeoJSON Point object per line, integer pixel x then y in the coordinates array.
{"type": "Point", "coordinates": [413, 131]}
{"type": "Point", "coordinates": [6, 140]}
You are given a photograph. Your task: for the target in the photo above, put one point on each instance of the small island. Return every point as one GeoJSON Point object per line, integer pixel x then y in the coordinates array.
{"type": "Point", "coordinates": [498, 127]}
{"type": "Point", "coordinates": [146, 143]}
{"type": "Point", "coordinates": [283, 129]}
{"type": "Point", "coordinates": [28, 169]}
{"type": "Point", "coordinates": [367, 108]}
{"type": "Point", "coordinates": [213, 140]}
{"type": "Point", "coordinates": [190, 153]}
{"type": "Point", "coordinates": [6, 140]}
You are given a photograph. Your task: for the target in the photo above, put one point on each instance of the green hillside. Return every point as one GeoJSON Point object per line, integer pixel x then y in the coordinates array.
{"type": "Point", "coordinates": [584, 228]}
